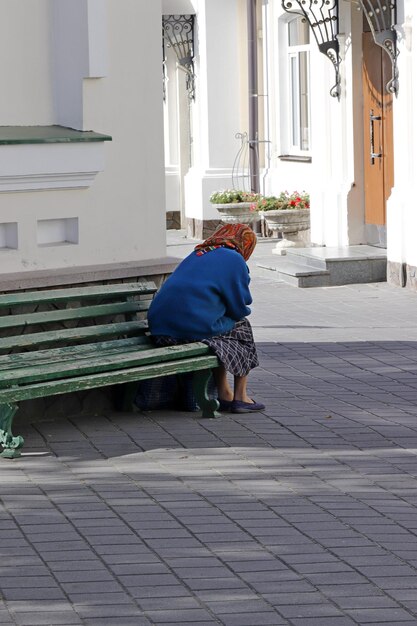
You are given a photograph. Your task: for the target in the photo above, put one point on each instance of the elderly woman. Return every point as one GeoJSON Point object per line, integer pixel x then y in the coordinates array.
{"type": "Point", "coordinates": [206, 299]}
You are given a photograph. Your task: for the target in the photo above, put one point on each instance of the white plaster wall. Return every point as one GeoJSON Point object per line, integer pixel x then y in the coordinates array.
{"type": "Point", "coordinates": [333, 144]}
{"type": "Point", "coordinates": [286, 176]}
{"type": "Point", "coordinates": [218, 83]}
{"type": "Point", "coordinates": [281, 175]}
{"type": "Point", "coordinates": [401, 213]}
{"type": "Point", "coordinates": [121, 216]}
{"type": "Point", "coordinates": [217, 112]}
{"type": "Point", "coordinates": [171, 136]}
{"type": "Point", "coordinates": [179, 7]}
{"type": "Point", "coordinates": [172, 189]}
{"type": "Point", "coordinates": [79, 50]}
{"type": "Point", "coordinates": [25, 63]}
{"type": "Point", "coordinates": [69, 32]}
{"type": "Point", "coordinates": [353, 65]}
{"type": "Point", "coordinates": [335, 217]}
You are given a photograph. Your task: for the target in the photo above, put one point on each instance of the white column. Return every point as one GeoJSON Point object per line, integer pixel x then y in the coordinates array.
{"type": "Point", "coordinates": [173, 194]}
{"type": "Point", "coordinates": [333, 143]}
{"type": "Point", "coordinates": [79, 52]}
{"type": "Point", "coordinates": [401, 213]}
{"type": "Point", "coordinates": [217, 111]}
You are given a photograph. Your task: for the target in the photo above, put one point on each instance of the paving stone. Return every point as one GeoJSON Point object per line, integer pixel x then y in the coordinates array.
{"type": "Point", "coordinates": [43, 593]}
{"type": "Point", "coordinates": [380, 616]}
{"type": "Point", "coordinates": [160, 604]}
{"type": "Point", "coordinates": [238, 606]}
{"type": "Point", "coordinates": [100, 599]}
{"type": "Point", "coordinates": [84, 576]}
{"type": "Point", "coordinates": [108, 611]}
{"type": "Point", "coordinates": [367, 602]}
{"type": "Point", "coordinates": [121, 621]}
{"type": "Point", "coordinates": [179, 616]}
{"type": "Point", "coordinates": [46, 618]}
{"type": "Point", "coordinates": [323, 621]}
{"type": "Point", "coordinates": [215, 583]}
{"type": "Point", "coordinates": [92, 587]}
{"type": "Point", "coordinates": [307, 611]}
{"type": "Point", "coordinates": [155, 592]}
{"type": "Point", "coordinates": [257, 619]}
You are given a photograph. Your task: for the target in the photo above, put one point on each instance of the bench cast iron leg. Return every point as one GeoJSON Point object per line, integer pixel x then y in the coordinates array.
{"type": "Point", "coordinates": [11, 445]}
{"type": "Point", "coordinates": [207, 405]}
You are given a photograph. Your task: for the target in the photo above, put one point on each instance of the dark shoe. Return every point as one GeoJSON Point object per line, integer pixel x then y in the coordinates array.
{"type": "Point", "coordinates": [225, 405]}
{"type": "Point", "coordinates": [246, 407]}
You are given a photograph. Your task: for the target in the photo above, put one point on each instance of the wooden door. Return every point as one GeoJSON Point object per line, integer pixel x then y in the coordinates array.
{"type": "Point", "coordinates": [378, 131]}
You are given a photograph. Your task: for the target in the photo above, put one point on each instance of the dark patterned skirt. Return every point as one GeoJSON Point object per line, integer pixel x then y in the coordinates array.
{"type": "Point", "coordinates": [236, 350]}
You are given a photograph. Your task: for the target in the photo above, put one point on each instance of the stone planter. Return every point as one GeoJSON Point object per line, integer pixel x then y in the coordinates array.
{"type": "Point", "coordinates": [289, 222]}
{"type": "Point", "coordinates": [236, 212]}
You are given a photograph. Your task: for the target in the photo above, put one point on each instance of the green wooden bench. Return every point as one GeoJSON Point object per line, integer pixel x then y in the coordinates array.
{"type": "Point", "coordinates": [64, 340]}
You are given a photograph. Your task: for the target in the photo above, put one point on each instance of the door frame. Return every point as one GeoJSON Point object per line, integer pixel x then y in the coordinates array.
{"type": "Point", "coordinates": [377, 130]}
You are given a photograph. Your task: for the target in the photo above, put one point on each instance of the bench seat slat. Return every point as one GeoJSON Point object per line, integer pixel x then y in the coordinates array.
{"type": "Point", "coordinates": [54, 371]}
{"type": "Point", "coordinates": [66, 315]}
{"type": "Point", "coordinates": [71, 353]}
{"type": "Point", "coordinates": [39, 390]}
{"type": "Point", "coordinates": [73, 334]}
{"type": "Point", "coordinates": [81, 293]}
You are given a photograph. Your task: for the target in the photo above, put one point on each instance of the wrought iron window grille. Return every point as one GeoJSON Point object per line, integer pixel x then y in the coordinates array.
{"type": "Point", "coordinates": [381, 16]}
{"type": "Point", "coordinates": [323, 19]}
{"type": "Point", "coordinates": [164, 72]}
{"type": "Point", "coordinates": [178, 34]}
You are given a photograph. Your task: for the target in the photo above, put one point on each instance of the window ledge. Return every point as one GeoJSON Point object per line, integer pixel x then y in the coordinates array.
{"type": "Point", "coordinates": [297, 158]}
{"type": "Point", "coordinates": [34, 158]}
{"type": "Point", "coordinates": [13, 135]}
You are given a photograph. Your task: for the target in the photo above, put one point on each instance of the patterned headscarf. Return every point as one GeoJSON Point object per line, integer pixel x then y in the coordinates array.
{"type": "Point", "coordinates": [236, 236]}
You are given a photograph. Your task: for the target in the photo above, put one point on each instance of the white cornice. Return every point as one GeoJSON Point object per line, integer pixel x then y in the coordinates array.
{"type": "Point", "coordinates": [36, 167]}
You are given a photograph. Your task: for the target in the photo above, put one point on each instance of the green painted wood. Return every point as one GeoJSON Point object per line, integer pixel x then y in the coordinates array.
{"type": "Point", "coordinates": [77, 293]}
{"type": "Point", "coordinates": [74, 335]}
{"type": "Point", "coordinates": [93, 365]}
{"type": "Point", "coordinates": [72, 353]}
{"type": "Point", "coordinates": [11, 135]}
{"type": "Point", "coordinates": [66, 315]}
{"type": "Point", "coordinates": [91, 381]}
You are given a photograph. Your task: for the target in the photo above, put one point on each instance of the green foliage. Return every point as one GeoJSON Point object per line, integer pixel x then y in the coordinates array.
{"type": "Point", "coordinates": [285, 201]}
{"type": "Point", "coordinates": [228, 196]}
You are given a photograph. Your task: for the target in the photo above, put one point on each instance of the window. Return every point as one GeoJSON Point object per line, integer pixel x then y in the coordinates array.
{"type": "Point", "coordinates": [298, 45]}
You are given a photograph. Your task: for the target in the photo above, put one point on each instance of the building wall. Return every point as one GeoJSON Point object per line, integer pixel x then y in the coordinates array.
{"type": "Point", "coordinates": [117, 72]}
{"type": "Point", "coordinates": [336, 208]}
{"type": "Point", "coordinates": [26, 66]}
{"type": "Point", "coordinates": [401, 213]}
{"type": "Point", "coordinates": [218, 112]}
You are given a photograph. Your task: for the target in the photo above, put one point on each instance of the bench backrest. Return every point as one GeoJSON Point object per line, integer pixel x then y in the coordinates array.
{"type": "Point", "coordinates": [76, 315]}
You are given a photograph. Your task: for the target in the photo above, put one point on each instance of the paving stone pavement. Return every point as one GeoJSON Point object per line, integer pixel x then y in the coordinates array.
{"type": "Point", "coordinates": [302, 515]}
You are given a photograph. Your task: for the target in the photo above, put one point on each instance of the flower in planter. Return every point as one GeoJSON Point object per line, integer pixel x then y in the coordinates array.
{"type": "Point", "coordinates": [233, 196]}
{"type": "Point", "coordinates": [285, 201]}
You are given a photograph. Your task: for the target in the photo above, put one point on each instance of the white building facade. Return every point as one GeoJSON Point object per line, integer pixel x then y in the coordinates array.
{"type": "Point", "coordinates": [352, 150]}
{"type": "Point", "coordinates": [82, 179]}
{"type": "Point", "coordinates": [81, 139]}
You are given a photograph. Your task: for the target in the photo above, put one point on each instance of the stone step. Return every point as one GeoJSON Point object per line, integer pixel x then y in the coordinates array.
{"type": "Point", "coordinates": [296, 274]}
{"type": "Point", "coordinates": [321, 266]}
{"type": "Point", "coordinates": [321, 256]}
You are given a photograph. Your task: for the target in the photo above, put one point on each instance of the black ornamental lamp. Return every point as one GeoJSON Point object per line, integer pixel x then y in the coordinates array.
{"type": "Point", "coordinates": [381, 16]}
{"type": "Point", "coordinates": [178, 34]}
{"type": "Point", "coordinates": [323, 19]}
